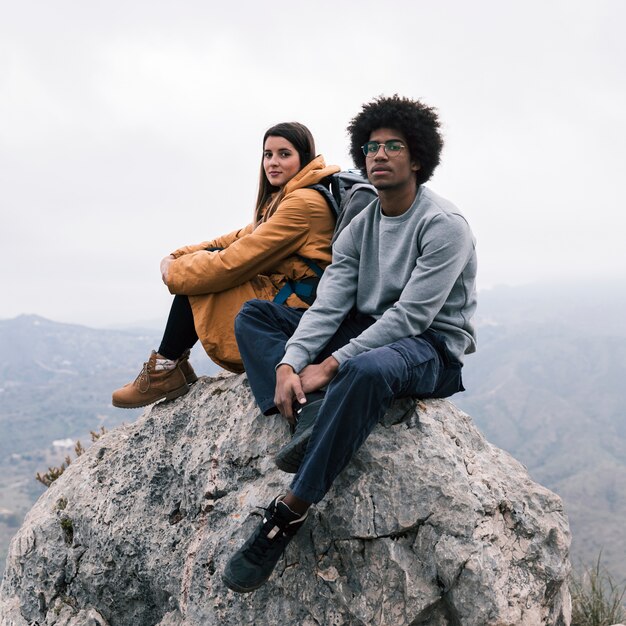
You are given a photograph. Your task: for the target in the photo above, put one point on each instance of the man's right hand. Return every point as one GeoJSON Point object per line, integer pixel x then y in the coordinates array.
{"type": "Point", "coordinates": [288, 392]}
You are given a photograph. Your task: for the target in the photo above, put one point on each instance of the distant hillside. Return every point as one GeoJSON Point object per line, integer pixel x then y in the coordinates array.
{"type": "Point", "coordinates": [547, 384]}
{"type": "Point", "coordinates": [56, 379]}
{"type": "Point", "coordinates": [55, 383]}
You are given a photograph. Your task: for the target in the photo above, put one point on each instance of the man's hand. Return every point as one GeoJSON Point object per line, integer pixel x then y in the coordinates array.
{"type": "Point", "coordinates": [314, 377]}
{"type": "Point", "coordinates": [288, 391]}
{"type": "Point", "coordinates": [165, 266]}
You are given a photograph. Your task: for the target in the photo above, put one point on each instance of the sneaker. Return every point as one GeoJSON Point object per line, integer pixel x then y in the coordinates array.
{"type": "Point", "coordinates": [187, 370]}
{"type": "Point", "coordinates": [255, 561]}
{"type": "Point", "coordinates": [290, 457]}
{"type": "Point", "coordinates": [151, 386]}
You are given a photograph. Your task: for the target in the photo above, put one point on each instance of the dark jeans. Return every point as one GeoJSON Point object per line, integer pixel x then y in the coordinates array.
{"type": "Point", "coordinates": [356, 399]}
{"type": "Point", "coordinates": [180, 332]}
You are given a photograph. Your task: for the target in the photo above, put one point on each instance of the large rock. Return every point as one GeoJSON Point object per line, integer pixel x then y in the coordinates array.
{"type": "Point", "coordinates": [429, 524]}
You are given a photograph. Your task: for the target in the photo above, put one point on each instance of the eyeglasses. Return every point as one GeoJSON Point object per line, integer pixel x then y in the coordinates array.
{"type": "Point", "coordinates": [392, 148]}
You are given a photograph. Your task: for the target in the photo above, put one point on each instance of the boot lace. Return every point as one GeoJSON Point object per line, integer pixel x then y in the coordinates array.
{"type": "Point", "coordinates": [143, 380]}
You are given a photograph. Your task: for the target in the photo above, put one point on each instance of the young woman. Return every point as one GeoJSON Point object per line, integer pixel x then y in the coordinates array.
{"type": "Point", "coordinates": [211, 280]}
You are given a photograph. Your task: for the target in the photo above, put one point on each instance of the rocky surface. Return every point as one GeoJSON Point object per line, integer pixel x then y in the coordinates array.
{"type": "Point", "coordinates": [429, 524]}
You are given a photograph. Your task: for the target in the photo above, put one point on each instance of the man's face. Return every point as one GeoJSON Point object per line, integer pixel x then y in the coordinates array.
{"type": "Point", "coordinates": [387, 168]}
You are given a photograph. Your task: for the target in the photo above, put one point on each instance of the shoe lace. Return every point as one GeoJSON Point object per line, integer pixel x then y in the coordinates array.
{"type": "Point", "coordinates": [262, 544]}
{"type": "Point", "coordinates": [143, 380]}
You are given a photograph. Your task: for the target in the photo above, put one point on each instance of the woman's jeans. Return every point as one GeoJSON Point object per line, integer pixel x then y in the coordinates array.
{"type": "Point", "coordinates": [356, 398]}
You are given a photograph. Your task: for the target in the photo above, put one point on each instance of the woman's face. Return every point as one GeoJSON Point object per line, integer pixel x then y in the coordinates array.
{"type": "Point", "coordinates": [281, 160]}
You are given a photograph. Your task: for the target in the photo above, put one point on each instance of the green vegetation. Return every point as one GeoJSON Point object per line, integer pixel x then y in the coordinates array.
{"type": "Point", "coordinates": [597, 600]}
{"type": "Point", "coordinates": [68, 530]}
{"type": "Point", "coordinates": [54, 472]}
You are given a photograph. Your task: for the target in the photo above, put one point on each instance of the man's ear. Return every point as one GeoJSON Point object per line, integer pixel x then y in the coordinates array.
{"type": "Point", "coordinates": [415, 166]}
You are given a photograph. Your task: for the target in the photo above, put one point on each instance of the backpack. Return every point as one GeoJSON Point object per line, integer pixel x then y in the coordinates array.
{"type": "Point", "coordinates": [347, 194]}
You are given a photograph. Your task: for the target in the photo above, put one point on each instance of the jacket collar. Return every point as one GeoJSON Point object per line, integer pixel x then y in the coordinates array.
{"type": "Point", "coordinates": [311, 174]}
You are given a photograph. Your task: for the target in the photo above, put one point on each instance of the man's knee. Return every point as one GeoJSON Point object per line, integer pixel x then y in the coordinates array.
{"type": "Point", "coordinates": [249, 315]}
{"type": "Point", "coordinates": [255, 307]}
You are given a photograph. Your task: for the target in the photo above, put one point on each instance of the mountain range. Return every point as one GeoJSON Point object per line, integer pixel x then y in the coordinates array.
{"type": "Point", "coordinates": [546, 384]}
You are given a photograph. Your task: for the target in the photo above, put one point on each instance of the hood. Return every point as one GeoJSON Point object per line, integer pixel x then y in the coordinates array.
{"type": "Point", "coordinates": [312, 174]}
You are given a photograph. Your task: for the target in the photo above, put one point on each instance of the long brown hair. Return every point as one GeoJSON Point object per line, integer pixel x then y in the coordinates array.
{"type": "Point", "coordinates": [302, 140]}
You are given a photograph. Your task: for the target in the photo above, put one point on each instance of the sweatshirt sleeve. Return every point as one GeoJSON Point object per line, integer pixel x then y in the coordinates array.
{"type": "Point", "coordinates": [447, 246]}
{"type": "Point", "coordinates": [244, 257]}
{"type": "Point", "coordinates": [336, 295]}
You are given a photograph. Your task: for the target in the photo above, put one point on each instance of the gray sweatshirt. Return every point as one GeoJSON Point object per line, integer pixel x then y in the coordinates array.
{"type": "Point", "coordinates": [411, 272]}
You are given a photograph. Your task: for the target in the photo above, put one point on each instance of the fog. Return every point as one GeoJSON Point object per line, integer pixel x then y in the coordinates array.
{"type": "Point", "coordinates": [130, 128]}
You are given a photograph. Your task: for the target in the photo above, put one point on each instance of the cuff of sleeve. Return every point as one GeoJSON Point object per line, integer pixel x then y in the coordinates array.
{"type": "Point", "coordinates": [344, 353]}
{"type": "Point", "coordinates": [297, 357]}
{"type": "Point", "coordinates": [190, 249]}
{"type": "Point", "coordinates": [174, 284]}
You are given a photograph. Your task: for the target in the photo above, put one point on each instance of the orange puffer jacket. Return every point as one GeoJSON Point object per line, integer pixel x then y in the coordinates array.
{"type": "Point", "coordinates": [254, 263]}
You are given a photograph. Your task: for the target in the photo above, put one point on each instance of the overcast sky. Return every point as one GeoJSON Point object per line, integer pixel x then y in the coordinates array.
{"type": "Point", "coordinates": [129, 128]}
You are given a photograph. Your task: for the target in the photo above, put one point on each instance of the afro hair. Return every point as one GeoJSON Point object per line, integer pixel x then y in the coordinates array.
{"type": "Point", "coordinates": [418, 122]}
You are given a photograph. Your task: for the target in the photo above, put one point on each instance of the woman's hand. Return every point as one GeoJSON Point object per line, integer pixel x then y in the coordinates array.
{"type": "Point", "coordinates": [288, 391]}
{"type": "Point", "coordinates": [314, 377]}
{"type": "Point", "coordinates": [165, 266]}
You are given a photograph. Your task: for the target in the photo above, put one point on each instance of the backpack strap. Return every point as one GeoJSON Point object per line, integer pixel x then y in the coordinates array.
{"type": "Point", "coordinates": [312, 265]}
{"type": "Point", "coordinates": [305, 289]}
{"type": "Point", "coordinates": [330, 198]}
{"type": "Point", "coordinates": [357, 198]}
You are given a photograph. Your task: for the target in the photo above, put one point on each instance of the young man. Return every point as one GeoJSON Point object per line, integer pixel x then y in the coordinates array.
{"type": "Point", "coordinates": [391, 319]}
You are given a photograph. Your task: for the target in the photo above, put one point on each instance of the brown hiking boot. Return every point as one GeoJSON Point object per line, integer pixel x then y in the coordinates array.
{"type": "Point", "coordinates": [151, 386]}
{"type": "Point", "coordinates": [186, 369]}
